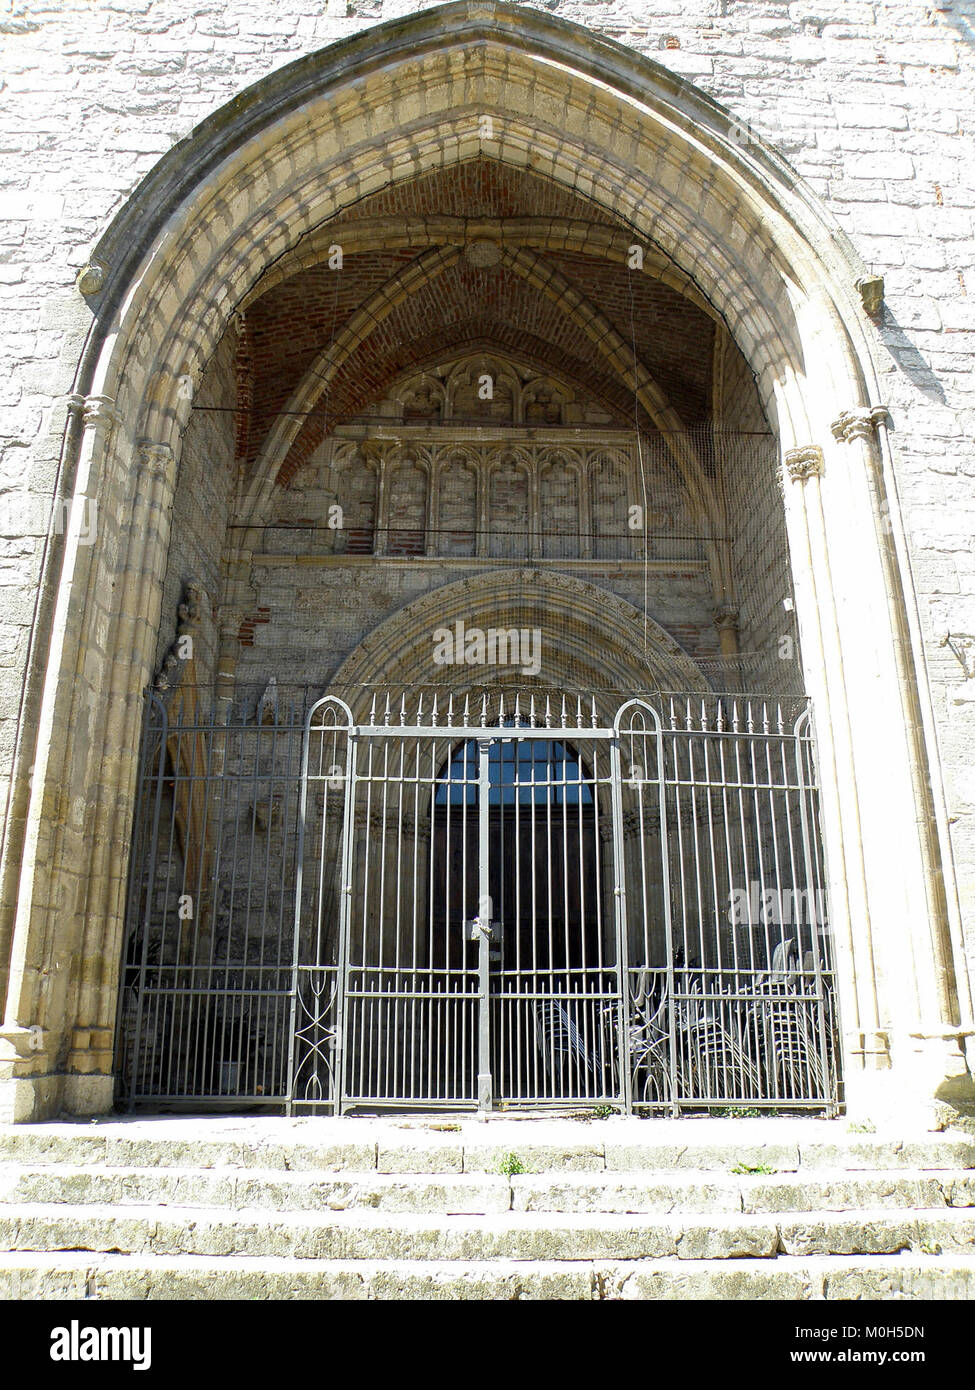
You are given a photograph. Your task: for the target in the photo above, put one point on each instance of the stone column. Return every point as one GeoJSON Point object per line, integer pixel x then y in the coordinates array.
{"type": "Point", "coordinates": [53, 883]}
{"type": "Point", "coordinates": [726, 622]}
{"type": "Point", "coordinates": [88, 1083]}
{"type": "Point", "coordinates": [584, 476]}
{"type": "Point", "coordinates": [381, 542]}
{"type": "Point", "coordinates": [534, 509]}
{"type": "Point", "coordinates": [434, 540]}
{"type": "Point", "coordinates": [237, 598]}
{"type": "Point", "coordinates": [941, 1029]}
{"type": "Point", "coordinates": [483, 501]}
{"type": "Point", "coordinates": [865, 1041]}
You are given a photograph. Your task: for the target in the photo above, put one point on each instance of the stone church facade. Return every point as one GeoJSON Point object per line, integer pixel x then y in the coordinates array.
{"type": "Point", "coordinates": [489, 580]}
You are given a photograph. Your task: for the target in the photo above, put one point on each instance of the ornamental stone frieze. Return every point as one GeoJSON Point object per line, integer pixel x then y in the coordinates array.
{"type": "Point", "coordinates": [454, 490]}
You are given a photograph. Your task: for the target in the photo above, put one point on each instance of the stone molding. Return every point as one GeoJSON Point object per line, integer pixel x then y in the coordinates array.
{"type": "Point", "coordinates": [91, 278]}
{"type": "Point", "coordinates": [871, 290]}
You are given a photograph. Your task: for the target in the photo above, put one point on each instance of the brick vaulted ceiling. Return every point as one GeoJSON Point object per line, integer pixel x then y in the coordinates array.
{"type": "Point", "coordinates": [462, 307]}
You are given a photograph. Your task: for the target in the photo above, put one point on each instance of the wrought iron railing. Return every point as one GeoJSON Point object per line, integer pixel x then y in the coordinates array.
{"type": "Point", "coordinates": [480, 898]}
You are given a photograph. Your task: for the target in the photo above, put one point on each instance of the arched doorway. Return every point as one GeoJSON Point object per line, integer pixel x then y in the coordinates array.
{"type": "Point", "coordinates": [232, 215]}
{"type": "Point", "coordinates": [543, 876]}
{"type": "Point", "coordinates": [549, 949]}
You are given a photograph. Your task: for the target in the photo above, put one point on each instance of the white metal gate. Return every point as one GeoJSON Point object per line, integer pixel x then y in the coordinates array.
{"type": "Point", "coordinates": [514, 900]}
{"type": "Point", "coordinates": [468, 950]}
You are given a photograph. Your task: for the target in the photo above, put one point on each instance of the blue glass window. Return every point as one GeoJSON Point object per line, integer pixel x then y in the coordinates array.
{"type": "Point", "coordinates": [529, 771]}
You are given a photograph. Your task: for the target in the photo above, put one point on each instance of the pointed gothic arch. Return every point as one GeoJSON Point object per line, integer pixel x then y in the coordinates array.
{"type": "Point", "coordinates": [188, 248]}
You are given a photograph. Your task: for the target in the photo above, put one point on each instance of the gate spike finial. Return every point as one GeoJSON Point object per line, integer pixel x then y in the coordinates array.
{"type": "Point", "coordinates": [688, 717]}
{"type": "Point", "coordinates": [517, 708]}
{"type": "Point", "coordinates": [565, 722]}
{"type": "Point", "coordinates": [750, 716]}
{"type": "Point", "coordinates": [673, 714]}
{"type": "Point", "coordinates": [501, 707]}
{"type": "Point", "coordinates": [704, 716]}
{"type": "Point", "coordinates": [734, 716]}
{"type": "Point", "coordinates": [466, 718]}
{"type": "Point", "coordinates": [531, 709]}
{"type": "Point", "coordinates": [433, 711]}
{"type": "Point", "coordinates": [765, 724]}
{"type": "Point", "coordinates": [778, 716]}
{"type": "Point", "coordinates": [419, 709]}
{"type": "Point", "coordinates": [548, 711]}
{"type": "Point", "coordinates": [484, 710]}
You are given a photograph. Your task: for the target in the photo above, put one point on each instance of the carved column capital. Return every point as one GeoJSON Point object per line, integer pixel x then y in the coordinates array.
{"type": "Point", "coordinates": [155, 459]}
{"type": "Point", "coordinates": [726, 618]}
{"type": "Point", "coordinates": [726, 624]}
{"type": "Point", "coordinates": [859, 423]}
{"type": "Point", "coordinates": [805, 462]}
{"type": "Point", "coordinates": [95, 412]}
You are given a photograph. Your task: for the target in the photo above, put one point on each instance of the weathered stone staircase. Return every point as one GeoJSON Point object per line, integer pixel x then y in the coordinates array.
{"type": "Point", "coordinates": [433, 1208]}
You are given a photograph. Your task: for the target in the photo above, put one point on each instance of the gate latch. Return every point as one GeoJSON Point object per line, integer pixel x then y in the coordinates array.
{"type": "Point", "coordinates": [481, 926]}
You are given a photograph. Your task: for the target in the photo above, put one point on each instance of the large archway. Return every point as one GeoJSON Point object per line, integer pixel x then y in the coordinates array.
{"type": "Point", "coordinates": [258, 191]}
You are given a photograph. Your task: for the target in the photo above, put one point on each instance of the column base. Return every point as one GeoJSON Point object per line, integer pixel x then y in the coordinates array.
{"type": "Point", "coordinates": [93, 1094]}
{"type": "Point", "coordinates": [31, 1091]}
{"type": "Point", "coordinates": [29, 1099]}
{"type": "Point", "coordinates": [24, 1099]}
{"type": "Point", "coordinates": [926, 1083]}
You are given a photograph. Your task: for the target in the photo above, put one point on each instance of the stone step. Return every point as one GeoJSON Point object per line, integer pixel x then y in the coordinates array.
{"type": "Point", "coordinates": [79, 1274]}
{"type": "Point", "coordinates": [465, 1146]}
{"type": "Point", "coordinates": [371, 1235]}
{"type": "Point", "coordinates": [680, 1193]}
{"type": "Point", "coordinates": [482, 1193]}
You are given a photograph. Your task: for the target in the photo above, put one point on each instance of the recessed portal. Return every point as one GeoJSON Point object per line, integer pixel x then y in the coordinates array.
{"type": "Point", "coordinates": [429, 473]}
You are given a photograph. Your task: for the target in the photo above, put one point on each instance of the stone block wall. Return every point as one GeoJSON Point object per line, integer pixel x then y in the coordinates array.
{"type": "Point", "coordinates": [871, 103]}
{"type": "Point", "coordinates": [746, 458]}
{"type": "Point", "coordinates": [201, 511]}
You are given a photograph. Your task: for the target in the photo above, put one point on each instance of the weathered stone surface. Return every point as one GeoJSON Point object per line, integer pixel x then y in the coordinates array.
{"type": "Point", "coordinates": [615, 1192]}
{"type": "Point", "coordinates": [949, 1151]}
{"type": "Point", "coordinates": [572, 1156]}
{"type": "Point", "coordinates": [73, 1275]}
{"type": "Point", "coordinates": [235, 1230]}
{"type": "Point", "coordinates": [715, 1155]}
{"type": "Point", "coordinates": [432, 1155]}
